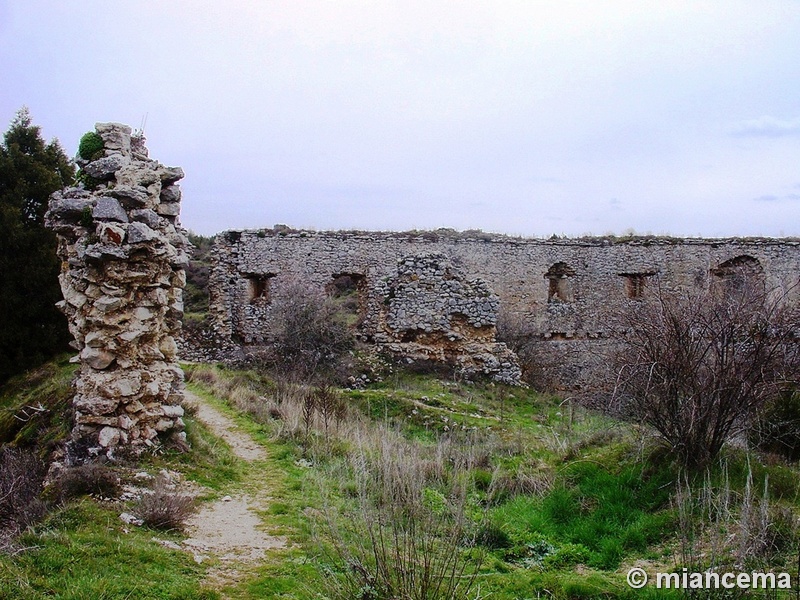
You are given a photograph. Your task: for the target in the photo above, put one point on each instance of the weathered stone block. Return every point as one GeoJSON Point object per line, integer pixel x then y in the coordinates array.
{"type": "Point", "coordinates": [116, 137]}
{"type": "Point", "coordinates": [170, 175]}
{"type": "Point", "coordinates": [109, 209]}
{"type": "Point", "coordinates": [97, 358]}
{"type": "Point", "coordinates": [130, 197]}
{"type": "Point", "coordinates": [139, 233]}
{"type": "Point", "coordinates": [169, 210]}
{"type": "Point", "coordinates": [104, 168]}
{"type": "Point", "coordinates": [146, 216]}
{"type": "Point", "coordinates": [171, 193]}
{"type": "Point", "coordinates": [108, 437]}
{"type": "Point", "coordinates": [111, 234]}
{"type": "Point", "coordinates": [95, 406]}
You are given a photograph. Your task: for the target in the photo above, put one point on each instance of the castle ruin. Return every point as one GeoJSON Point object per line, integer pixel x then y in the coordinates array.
{"type": "Point", "coordinates": [123, 257]}
{"type": "Point", "coordinates": [566, 291]}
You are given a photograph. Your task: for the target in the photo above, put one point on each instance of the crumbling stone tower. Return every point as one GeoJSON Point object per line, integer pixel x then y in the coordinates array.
{"type": "Point", "coordinates": [122, 275]}
{"type": "Point", "coordinates": [429, 311]}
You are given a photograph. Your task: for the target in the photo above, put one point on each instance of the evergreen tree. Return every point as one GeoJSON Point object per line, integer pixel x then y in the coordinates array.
{"type": "Point", "coordinates": [31, 327]}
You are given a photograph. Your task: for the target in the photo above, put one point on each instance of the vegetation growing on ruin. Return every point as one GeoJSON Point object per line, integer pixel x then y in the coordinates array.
{"type": "Point", "coordinates": [195, 294]}
{"type": "Point", "coordinates": [509, 493]}
{"type": "Point", "coordinates": [90, 146]}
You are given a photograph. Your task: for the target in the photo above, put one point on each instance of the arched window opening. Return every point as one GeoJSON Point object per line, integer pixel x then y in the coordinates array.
{"type": "Point", "coordinates": [738, 275]}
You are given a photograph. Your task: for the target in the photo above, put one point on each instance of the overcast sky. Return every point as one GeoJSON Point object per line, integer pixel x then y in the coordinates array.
{"type": "Point", "coordinates": [529, 117]}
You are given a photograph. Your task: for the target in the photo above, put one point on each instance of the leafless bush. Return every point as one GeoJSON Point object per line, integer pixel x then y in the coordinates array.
{"type": "Point", "coordinates": [312, 335]}
{"type": "Point", "coordinates": [21, 482]}
{"type": "Point", "coordinates": [309, 410]}
{"type": "Point", "coordinates": [777, 428]}
{"type": "Point", "coordinates": [88, 479]}
{"type": "Point", "coordinates": [541, 367]}
{"type": "Point", "coordinates": [330, 405]}
{"type": "Point", "coordinates": [164, 507]}
{"type": "Point", "coordinates": [697, 367]}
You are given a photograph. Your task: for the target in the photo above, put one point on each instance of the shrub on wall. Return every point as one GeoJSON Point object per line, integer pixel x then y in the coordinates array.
{"type": "Point", "coordinates": [90, 146]}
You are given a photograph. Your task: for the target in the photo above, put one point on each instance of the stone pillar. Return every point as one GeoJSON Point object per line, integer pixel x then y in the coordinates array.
{"type": "Point", "coordinates": [123, 256]}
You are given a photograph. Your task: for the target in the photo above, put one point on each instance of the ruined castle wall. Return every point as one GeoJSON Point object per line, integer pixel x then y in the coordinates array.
{"type": "Point", "coordinates": [566, 290]}
{"type": "Point", "coordinates": [123, 258]}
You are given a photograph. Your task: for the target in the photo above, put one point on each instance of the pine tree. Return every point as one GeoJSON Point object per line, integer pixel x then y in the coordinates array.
{"type": "Point", "coordinates": [31, 327]}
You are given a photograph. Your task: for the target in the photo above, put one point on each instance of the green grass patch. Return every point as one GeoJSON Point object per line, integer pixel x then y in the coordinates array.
{"type": "Point", "coordinates": [593, 515]}
{"type": "Point", "coordinates": [84, 552]}
{"type": "Point", "coordinates": [35, 408]}
{"type": "Point", "coordinates": [561, 499]}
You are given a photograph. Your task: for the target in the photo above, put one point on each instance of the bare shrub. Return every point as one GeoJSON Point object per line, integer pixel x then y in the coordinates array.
{"type": "Point", "coordinates": [164, 507]}
{"type": "Point", "coordinates": [312, 335]}
{"type": "Point", "coordinates": [21, 483]}
{"type": "Point", "coordinates": [330, 405]}
{"type": "Point", "coordinates": [541, 367]}
{"type": "Point", "coordinates": [696, 368]}
{"type": "Point", "coordinates": [721, 529]}
{"type": "Point", "coordinates": [89, 479]}
{"type": "Point", "coordinates": [777, 428]}
{"type": "Point", "coordinates": [404, 535]}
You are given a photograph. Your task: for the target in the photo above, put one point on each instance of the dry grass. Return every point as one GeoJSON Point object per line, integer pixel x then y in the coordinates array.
{"type": "Point", "coordinates": [404, 534]}
{"type": "Point", "coordinates": [90, 479]}
{"type": "Point", "coordinates": [397, 508]}
{"type": "Point", "coordinates": [722, 529]}
{"type": "Point", "coordinates": [21, 483]}
{"type": "Point", "coordinates": [164, 507]}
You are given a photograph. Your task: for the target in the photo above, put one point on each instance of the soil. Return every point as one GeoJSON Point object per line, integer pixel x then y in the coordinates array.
{"type": "Point", "coordinates": [229, 530]}
{"type": "Point", "coordinates": [242, 444]}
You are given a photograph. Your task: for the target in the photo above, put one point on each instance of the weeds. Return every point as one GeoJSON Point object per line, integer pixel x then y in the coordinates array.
{"type": "Point", "coordinates": [426, 492]}
{"type": "Point", "coordinates": [164, 508]}
{"type": "Point", "coordinates": [89, 479]}
{"type": "Point", "coordinates": [405, 534]}
{"type": "Point", "coordinates": [722, 529]}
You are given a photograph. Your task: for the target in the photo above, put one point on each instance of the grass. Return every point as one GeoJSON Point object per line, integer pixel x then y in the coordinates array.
{"type": "Point", "coordinates": [565, 497]}
{"type": "Point", "coordinates": [35, 407]}
{"type": "Point", "coordinates": [84, 551]}
{"type": "Point", "coordinates": [597, 515]}
{"type": "Point", "coordinates": [555, 501]}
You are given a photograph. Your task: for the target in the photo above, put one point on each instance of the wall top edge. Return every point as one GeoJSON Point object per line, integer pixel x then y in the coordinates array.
{"type": "Point", "coordinates": [452, 235]}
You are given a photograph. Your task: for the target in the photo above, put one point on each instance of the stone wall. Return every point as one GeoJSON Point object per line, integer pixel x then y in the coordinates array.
{"type": "Point", "coordinates": [123, 257]}
{"type": "Point", "coordinates": [567, 291]}
{"type": "Point", "coordinates": [430, 312]}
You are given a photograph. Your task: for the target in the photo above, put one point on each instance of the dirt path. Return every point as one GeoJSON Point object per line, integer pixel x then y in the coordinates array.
{"type": "Point", "coordinates": [242, 444]}
{"type": "Point", "coordinates": [229, 530]}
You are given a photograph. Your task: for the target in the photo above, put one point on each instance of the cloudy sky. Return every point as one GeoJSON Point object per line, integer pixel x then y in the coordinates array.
{"type": "Point", "coordinates": [524, 117]}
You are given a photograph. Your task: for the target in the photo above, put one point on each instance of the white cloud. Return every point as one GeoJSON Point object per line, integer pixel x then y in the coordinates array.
{"type": "Point", "coordinates": [767, 126]}
{"type": "Point", "coordinates": [774, 198]}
